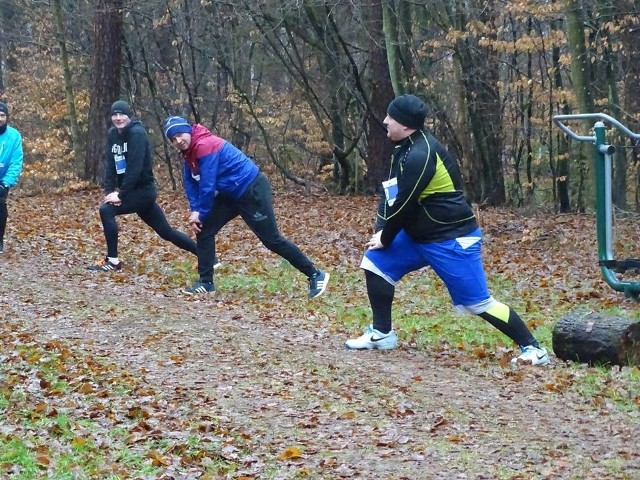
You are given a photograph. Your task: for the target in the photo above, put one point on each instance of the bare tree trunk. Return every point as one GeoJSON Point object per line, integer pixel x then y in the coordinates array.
{"type": "Point", "coordinates": [528, 106]}
{"type": "Point", "coordinates": [108, 28]}
{"type": "Point", "coordinates": [479, 77]}
{"type": "Point", "coordinates": [10, 23]}
{"type": "Point", "coordinates": [390, 27]}
{"type": "Point", "coordinates": [580, 75]}
{"type": "Point", "coordinates": [2, 62]}
{"type": "Point", "coordinates": [381, 93]}
{"type": "Point", "coordinates": [609, 69]}
{"type": "Point", "coordinates": [630, 66]}
{"type": "Point", "coordinates": [561, 173]}
{"type": "Point", "coordinates": [159, 107]}
{"type": "Point", "coordinates": [76, 142]}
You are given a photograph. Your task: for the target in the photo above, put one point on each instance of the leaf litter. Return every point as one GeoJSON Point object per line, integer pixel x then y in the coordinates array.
{"type": "Point", "coordinates": [232, 386]}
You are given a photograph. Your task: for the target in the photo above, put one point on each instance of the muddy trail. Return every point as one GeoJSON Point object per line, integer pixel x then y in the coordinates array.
{"type": "Point", "coordinates": [281, 380]}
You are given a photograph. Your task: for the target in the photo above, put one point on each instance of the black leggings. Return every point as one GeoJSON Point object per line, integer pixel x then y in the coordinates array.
{"type": "Point", "coordinates": [256, 209]}
{"type": "Point", "coordinates": [4, 213]}
{"type": "Point", "coordinates": [381, 295]}
{"type": "Point", "coordinates": [150, 213]}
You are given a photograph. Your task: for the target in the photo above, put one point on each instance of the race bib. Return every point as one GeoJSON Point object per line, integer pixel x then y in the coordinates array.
{"type": "Point", "coordinates": [390, 190]}
{"type": "Point", "coordinates": [121, 163]}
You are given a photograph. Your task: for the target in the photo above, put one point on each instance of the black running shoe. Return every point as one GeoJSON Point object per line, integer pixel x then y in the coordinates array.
{"type": "Point", "coordinates": [199, 287]}
{"type": "Point", "coordinates": [318, 283]}
{"type": "Point", "coordinates": [105, 265]}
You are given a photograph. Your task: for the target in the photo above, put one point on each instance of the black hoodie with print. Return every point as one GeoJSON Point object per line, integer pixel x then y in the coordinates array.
{"type": "Point", "coordinates": [128, 165]}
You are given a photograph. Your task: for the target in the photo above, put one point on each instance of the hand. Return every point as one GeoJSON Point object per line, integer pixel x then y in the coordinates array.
{"type": "Point", "coordinates": [374, 242]}
{"type": "Point", "coordinates": [194, 222]}
{"type": "Point", "coordinates": [113, 198]}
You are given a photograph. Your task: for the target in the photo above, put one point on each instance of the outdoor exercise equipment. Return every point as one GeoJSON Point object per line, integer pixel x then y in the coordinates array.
{"type": "Point", "coordinates": [602, 154]}
{"type": "Point", "coordinates": [593, 337]}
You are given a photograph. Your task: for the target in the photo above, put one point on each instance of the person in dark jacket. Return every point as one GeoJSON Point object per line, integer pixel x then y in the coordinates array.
{"type": "Point", "coordinates": [10, 165]}
{"type": "Point", "coordinates": [130, 187]}
{"type": "Point", "coordinates": [221, 182]}
{"type": "Point", "coordinates": [424, 220]}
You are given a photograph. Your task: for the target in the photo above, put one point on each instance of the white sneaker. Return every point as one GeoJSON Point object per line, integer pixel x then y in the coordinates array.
{"type": "Point", "coordinates": [532, 356]}
{"type": "Point", "coordinates": [372, 339]}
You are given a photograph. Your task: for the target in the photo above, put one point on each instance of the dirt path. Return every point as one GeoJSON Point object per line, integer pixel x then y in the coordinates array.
{"type": "Point", "coordinates": [404, 414]}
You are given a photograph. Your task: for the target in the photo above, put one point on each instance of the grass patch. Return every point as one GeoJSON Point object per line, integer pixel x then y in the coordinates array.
{"type": "Point", "coordinates": [424, 318]}
{"type": "Point", "coordinates": [423, 314]}
{"type": "Point", "coordinates": [97, 425]}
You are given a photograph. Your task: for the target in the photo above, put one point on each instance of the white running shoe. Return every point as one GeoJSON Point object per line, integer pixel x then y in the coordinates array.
{"type": "Point", "coordinates": [373, 339]}
{"type": "Point", "coordinates": [532, 356]}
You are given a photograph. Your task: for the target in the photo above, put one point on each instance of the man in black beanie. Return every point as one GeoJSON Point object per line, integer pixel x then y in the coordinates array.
{"type": "Point", "coordinates": [424, 220]}
{"type": "Point", "coordinates": [10, 165]}
{"type": "Point", "coordinates": [130, 187]}
{"type": "Point", "coordinates": [120, 106]}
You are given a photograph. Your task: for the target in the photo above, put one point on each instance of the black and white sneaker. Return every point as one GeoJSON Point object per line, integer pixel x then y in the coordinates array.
{"type": "Point", "coordinates": [105, 265]}
{"type": "Point", "coordinates": [1, 247]}
{"type": "Point", "coordinates": [318, 283]}
{"type": "Point", "coordinates": [199, 287]}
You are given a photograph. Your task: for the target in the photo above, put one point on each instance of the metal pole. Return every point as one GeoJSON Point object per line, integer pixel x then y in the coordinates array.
{"type": "Point", "coordinates": [604, 218]}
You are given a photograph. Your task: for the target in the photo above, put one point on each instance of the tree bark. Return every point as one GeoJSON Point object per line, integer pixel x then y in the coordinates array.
{"type": "Point", "coordinates": [580, 75]}
{"type": "Point", "coordinates": [607, 80]}
{"type": "Point", "coordinates": [390, 28]}
{"type": "Point", "coordinates": [76, 142]}
{"type": "Point", "coordinates": [108, 28]}
{"type": "Point", "coordinates": [562, 172]}
{"type": "Point", "coordinates": [595, 338]}
{"type": "Point", "coordinates": [381, 93]}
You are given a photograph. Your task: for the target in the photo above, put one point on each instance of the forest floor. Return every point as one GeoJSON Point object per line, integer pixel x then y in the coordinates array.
{"type": "Point", "coordinates": [270, 378]}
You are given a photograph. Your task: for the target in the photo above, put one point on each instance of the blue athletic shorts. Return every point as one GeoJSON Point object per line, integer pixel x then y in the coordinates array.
{"type": "Point", "coordinates": [457, 262]}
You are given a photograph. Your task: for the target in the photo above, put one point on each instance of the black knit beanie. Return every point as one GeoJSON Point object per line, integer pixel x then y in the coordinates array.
{"type": "Point", "coordinates": [4, 108]}
{"type": "Point", "coordinates": [408, 110]}
{"type": "Point", "coordinates": [121, 107]}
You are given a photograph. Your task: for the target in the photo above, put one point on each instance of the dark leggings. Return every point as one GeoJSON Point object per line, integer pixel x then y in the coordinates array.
{"type": "Point", "coordinates": [256, 209]}
{"type": "Point", "coordinates": [151, 214]}
{"type": "Point", "coordinates": [3, 213]}
{"type": "Point", "coordinates": [381, 295]}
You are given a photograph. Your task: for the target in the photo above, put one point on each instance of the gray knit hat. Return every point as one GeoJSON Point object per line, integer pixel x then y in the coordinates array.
{"type": "Point", "coordinates": [121, 107]}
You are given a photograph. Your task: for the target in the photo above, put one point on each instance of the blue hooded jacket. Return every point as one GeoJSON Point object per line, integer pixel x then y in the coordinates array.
{"type": "Point", "coordinates": [10, 156]}
{"type": "Point", "coordinates": [214, 165]}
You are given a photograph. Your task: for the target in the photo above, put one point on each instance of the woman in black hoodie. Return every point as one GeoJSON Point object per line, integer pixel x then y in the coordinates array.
{"type": "Point", "coordinates": [129, 186]}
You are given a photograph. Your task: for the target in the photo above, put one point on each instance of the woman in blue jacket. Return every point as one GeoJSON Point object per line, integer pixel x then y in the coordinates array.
{"type": "Point", "coordinates": [221, 183]}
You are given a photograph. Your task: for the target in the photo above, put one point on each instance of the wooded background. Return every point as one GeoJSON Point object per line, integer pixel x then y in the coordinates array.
{"type": "Point", "coordinates": [302, 86]}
